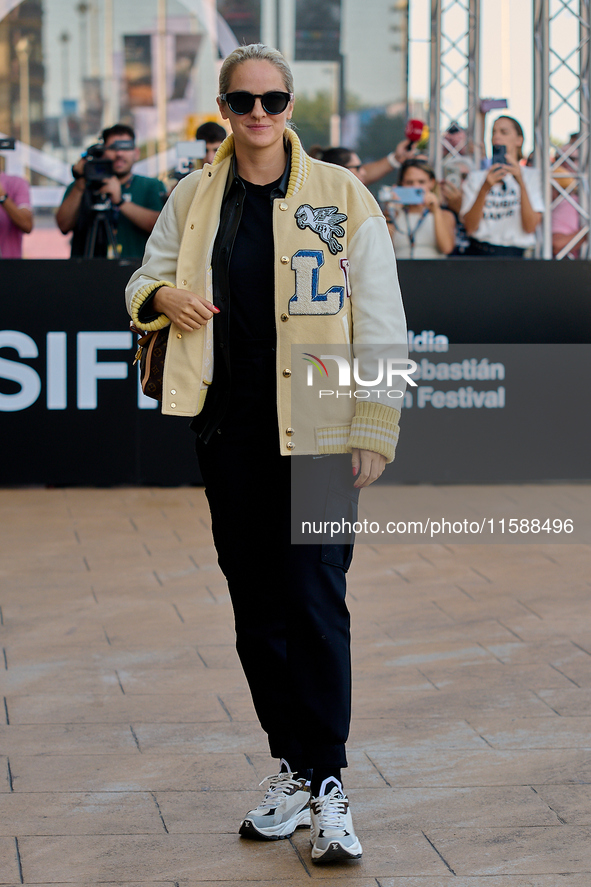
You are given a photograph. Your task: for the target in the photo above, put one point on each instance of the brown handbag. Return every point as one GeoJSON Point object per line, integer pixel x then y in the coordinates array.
{"type": "Point", "coordinates": [151, 354]}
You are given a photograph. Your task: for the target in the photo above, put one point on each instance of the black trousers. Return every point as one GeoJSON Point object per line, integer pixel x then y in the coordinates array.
{"type": "Point", "coordinates": [292, 622]}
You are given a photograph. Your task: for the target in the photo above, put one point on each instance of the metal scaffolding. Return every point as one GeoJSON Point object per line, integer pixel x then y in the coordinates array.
{"type": "Point", "coordinates": [562, 85]}
{"type": "Point", "coordinates": [455, 86]}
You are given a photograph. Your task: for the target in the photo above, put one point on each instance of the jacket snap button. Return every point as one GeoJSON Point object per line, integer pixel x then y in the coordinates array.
{"type": "Point", "coordinates": [291, 445]}
{"type": "Point", "coordinates": [179, 335]}
{"type": "Point", "coordinates": [285, 260]}
{"type": "Point", "coordinates": [183, 282]}
{"type": "Point", "coordinates": [284, 317]}
{"type": "Point", "coordinates": [173, 405]}
{"type": "Point", "coordinates": [289, 431]}
{"type": "Point", "coordinates": [192, 226]}
{"type": "Point", "coordinates": [287, 372]}
{"type": "Point", "coordinates": [283, 207]}
{"type": "Point", "coordinates": [173, 390]}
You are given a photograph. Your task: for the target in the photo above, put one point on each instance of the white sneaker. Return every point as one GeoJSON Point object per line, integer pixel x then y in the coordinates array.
{"type": "Point", "coordinates": [332, 835]}
{"type": "Point", "coordinates": [285, 807]}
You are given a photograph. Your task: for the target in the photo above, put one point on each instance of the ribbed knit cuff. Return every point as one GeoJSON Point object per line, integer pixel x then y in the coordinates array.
{"type": "Point", "coordinates": [138, 300]}
{"type": "Point", "coordinates": [375, 427]}
{"type": "Point", "coordinates": [333, 439]}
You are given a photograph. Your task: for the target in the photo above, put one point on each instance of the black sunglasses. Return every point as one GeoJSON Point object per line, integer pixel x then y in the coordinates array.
{"type": "Point", "coordinates": [243, 102]}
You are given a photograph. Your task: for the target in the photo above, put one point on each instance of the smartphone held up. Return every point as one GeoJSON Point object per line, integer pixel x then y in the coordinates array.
{"type": "Point", "coordinates": [499, 154]}
{"type": "Point", "coordinates": [402, 195]}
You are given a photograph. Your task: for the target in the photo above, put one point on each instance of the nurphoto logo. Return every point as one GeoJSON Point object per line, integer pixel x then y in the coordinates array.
{"type": "Point", "coordinates": [385, 370]}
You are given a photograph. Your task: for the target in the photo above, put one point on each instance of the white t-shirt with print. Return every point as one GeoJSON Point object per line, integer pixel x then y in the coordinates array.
{"type": "Point", "coordinates": [501, 218]}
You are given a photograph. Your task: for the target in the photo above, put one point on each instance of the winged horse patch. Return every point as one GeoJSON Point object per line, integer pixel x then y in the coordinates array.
{"type": "Point", "coordinates": [324, 221]}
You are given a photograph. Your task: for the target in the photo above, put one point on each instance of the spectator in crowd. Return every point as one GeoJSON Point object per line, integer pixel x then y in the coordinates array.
{"type": "Point", "coordinates": [455, 172]}
{"type": "Point", "coordinates": [566, 221]}
{"type": "Point", "coordinates": [455, 141]}
{"type": "Point", "coordinates": [135, 201]}
{"type": "Point", "coordinates": [503, 206]}
{"type": "Point", "coordinates": [424, 230]}
{"type": "Point", "coordinates": [213, 135]}
{"type": "Point", "coordinates": [340, 157]}
{"type": "Point", "coordinates": [571, 160]}
{"type": "Point", "coordinates": [374, 170]}
{"type": "Point", "coordinates": [377, 169]}
{"type": "Point", "coordinates": [16, 215]}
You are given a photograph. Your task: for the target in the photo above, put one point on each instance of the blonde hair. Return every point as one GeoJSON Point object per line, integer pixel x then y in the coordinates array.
{"type": "Point", "coordinates": [254, 52]}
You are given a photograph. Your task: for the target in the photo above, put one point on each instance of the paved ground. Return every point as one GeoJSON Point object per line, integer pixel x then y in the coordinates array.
{"type": "Point", "coordinates": [130, 749]}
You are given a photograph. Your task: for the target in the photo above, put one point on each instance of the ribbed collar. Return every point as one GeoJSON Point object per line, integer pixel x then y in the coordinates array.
{"type": "Point", "coordinates": [299, 167]}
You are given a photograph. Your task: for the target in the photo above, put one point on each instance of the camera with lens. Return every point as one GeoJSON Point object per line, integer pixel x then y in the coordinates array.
{"type": "Point", "coordinates": [97, 168]}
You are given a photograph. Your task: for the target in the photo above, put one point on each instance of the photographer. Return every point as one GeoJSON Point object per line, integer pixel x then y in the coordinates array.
{"type": "Point", "coordinates": [213, 135]}
{"type": "Point", "coordinates": [128, 203]}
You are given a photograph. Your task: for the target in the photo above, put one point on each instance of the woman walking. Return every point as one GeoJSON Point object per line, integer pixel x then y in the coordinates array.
{"type": "Point", "coordinates": [260, 250]}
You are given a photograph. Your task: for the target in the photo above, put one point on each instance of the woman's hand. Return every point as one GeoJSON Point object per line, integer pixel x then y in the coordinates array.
{"type": "Point", "coordinates": [513, 167]}
{"type": "Point", "coordinates": [405, 150]}
{"type": "Point", "coordinates": [187, 310]}
{"type": "Point", "coordinates": [112, 189]}
{"type": "Point", "coordinates": [453, 196]}
{"type": "Point", "coordinates": [431, 202]}
{"type": "Point", "coordinates": [496, 174]}
{"type": "Point", "coordinates": [367, 467]}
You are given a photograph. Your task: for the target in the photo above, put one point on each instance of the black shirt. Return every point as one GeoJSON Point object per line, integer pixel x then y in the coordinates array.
{"type": "Point", "coordinates": [251, 271]}
{"type": "Point", "coordinates": [244, 291]}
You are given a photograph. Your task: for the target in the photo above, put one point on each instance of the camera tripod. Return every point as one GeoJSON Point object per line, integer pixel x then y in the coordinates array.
{"type": "Point", "coordinates": [101, 223]}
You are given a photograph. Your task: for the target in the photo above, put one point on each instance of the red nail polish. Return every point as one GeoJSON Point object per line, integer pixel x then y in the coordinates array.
{"type": "Point", "coordinates": [355, 471]}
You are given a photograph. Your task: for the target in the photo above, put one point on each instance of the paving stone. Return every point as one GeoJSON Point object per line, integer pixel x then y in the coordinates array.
{"type": "Point", "coordinates": [520, 851]}
{"type": "Point", "coordinates": [514, 652]}
{"type": "Point", "coordinates": [446, 703]}
{"type": "Point", "coordinates": [494, 675]}
{"type": "Point", "coordinates": [555, 880]}
{"type": "Point", "coordinates": [150, 858]}
{"type": "Point", "coordinates": [100, 657]}
{"type": "Point", "coordinates": [420, 767]}
{"type": "Point", "coordinates": [571, 803]}
{"type": "Point", "coordinates": [9, 870]}
{"type": "Point", "coordinates": [67, 739]}
{"type": "Point", "coordinates": [422, 653]}
{"type": "Point", "coordinates": [482, 806]}
{"type": "Point", "coordinates": [162, 681]}
{"type": "Point", "coordinates": [550, 732]}
{"type": "Point", "coordinates": [296, 882]}
{"type": "Point", "coordinates": [379, 733]}
{"type": "Point", "coordinates": [114, 708]}
{"type": "Point", "coordinates": [88, 813]}
{"type": "Point", "coordinates": [239, 736]}
{"type": "Point", "coordinates": [571, 702]}
{"type": "Point", "coordinates": [35, 679]}
{"type": "Point", "coordinates": [127, 773]}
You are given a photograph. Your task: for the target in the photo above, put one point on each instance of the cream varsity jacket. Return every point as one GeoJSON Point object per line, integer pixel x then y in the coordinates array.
{"type": "Point", "coordinates": [336, 284]}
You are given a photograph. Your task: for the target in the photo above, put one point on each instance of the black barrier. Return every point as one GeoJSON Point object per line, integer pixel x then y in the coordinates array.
{"type": "Point", "coordinates": [69, 395]}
